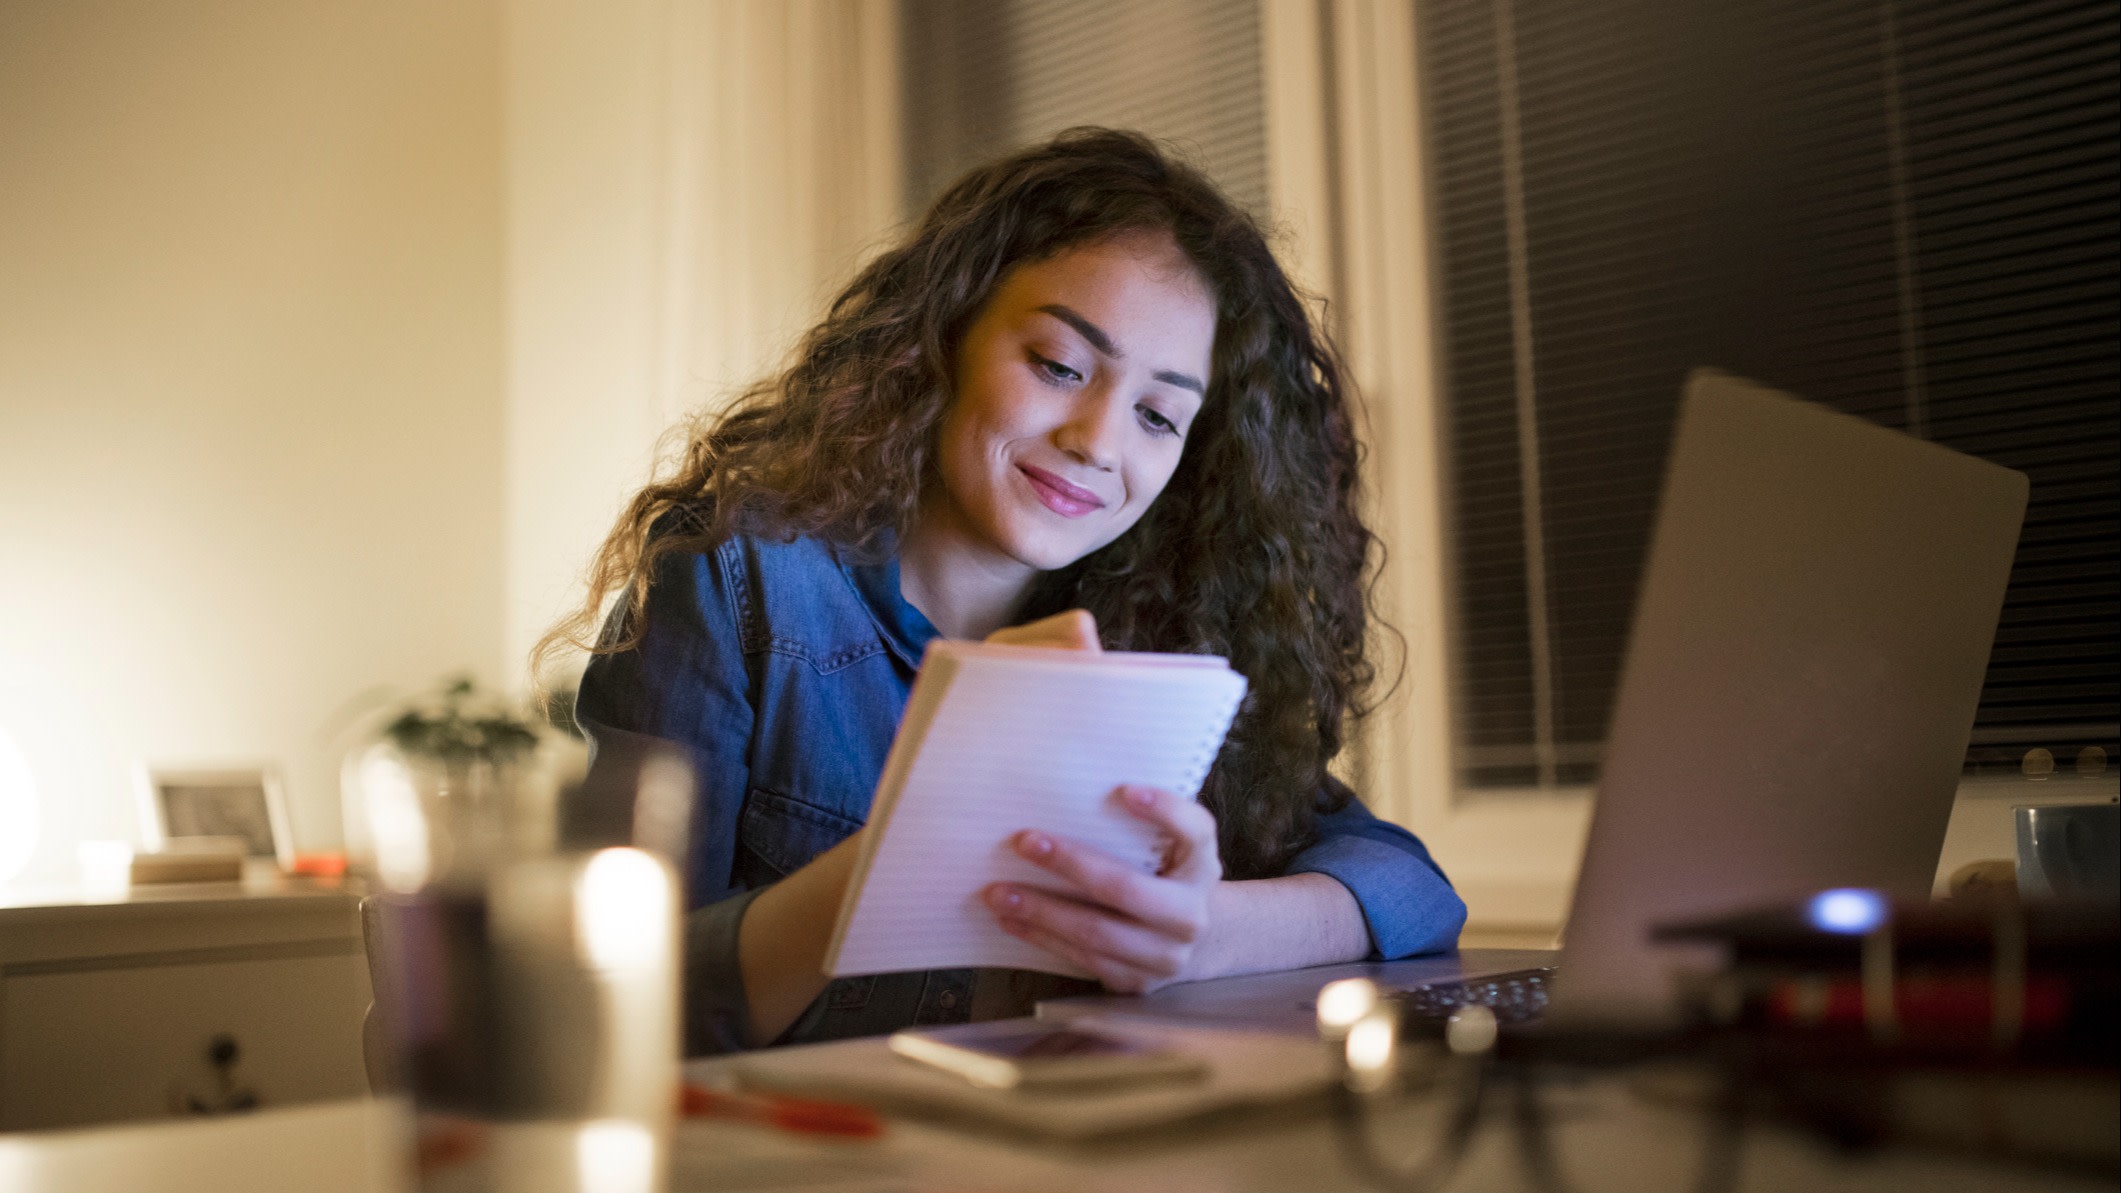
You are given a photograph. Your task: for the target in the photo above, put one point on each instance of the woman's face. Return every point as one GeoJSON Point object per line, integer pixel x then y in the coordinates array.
{"type": "Point", "coordinates": [1076, 387]}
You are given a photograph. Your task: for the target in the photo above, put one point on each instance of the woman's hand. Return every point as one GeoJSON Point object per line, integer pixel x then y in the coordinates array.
{"type": "Point", "coordinates": [1074, 630]}
{"type": "Point", "coordinates": [1134, 931]}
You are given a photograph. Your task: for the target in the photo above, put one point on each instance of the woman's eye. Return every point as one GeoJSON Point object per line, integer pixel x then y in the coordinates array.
{"type": "Point", "coordinates": [1054, 371]}
{"type": "Point", "coordinates": [1155, 420]}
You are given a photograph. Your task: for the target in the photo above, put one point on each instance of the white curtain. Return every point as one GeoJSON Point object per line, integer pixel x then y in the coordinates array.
{"type": "Point", "coordinates": [784, 175]}
{"type": "Point", "coordinates": [687, 181]}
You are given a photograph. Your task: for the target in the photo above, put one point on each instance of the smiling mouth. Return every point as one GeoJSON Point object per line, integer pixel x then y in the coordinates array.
{"type": "Point", "coordinates": [1069, 501]}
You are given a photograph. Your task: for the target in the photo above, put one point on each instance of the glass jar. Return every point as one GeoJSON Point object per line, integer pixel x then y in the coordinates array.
{"type": "Point", "coordinates": [528, 991]}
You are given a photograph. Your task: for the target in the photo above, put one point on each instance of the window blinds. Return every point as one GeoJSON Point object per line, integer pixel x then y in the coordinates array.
{"type": "Point", "coordinates": [1907, 210]}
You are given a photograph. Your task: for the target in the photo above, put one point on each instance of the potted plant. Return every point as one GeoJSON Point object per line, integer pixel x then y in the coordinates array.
{"type": "Point", "coordinates": [444, 782]}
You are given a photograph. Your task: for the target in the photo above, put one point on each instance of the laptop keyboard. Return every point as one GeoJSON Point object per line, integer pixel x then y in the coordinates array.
{"type": "Point", "coordinates": [1516, 997]}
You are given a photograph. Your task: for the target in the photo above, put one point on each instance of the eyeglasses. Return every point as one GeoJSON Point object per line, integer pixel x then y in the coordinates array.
{"type": "Point", "coordinates": [1412, 1091]}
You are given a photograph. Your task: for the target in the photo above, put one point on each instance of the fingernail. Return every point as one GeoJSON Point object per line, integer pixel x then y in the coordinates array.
{"type": "Point", "coordinates": [1140, 797]}
{"type": "Point", "coordinates": [1035, 844]}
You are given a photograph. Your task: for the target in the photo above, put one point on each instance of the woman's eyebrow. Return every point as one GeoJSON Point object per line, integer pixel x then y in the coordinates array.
{"type": "Point", "coordinates": [1090, 331]}
{"type": "Point", "coordinates": [1103, 343]}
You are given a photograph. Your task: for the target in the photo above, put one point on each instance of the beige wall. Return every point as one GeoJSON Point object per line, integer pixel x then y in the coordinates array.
{"type": "Point", "coordinates": [584, 93]}
{"type": "Point", "coordinates": [250, 382]}
{"type": "Point", "coordinates": [334, 334]}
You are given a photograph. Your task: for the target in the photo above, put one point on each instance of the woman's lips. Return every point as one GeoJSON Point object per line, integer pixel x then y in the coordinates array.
{"type": "Point", "coordinates": [1069, 501]}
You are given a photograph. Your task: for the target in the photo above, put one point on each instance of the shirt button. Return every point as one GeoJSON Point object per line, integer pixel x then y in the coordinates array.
{"type": "Point", "coordinates": [949, 999]}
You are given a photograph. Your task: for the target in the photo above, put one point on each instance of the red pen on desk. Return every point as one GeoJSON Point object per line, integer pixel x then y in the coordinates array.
{"type": "Point", "coordinates": [806, 1115]}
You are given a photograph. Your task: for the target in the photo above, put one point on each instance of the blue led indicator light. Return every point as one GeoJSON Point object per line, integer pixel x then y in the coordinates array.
{"type": "Point", "coordinates": [1850, 910]}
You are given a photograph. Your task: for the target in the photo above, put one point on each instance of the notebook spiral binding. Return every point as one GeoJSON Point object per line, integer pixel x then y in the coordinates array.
{"type": "Point", "coordinates": [1211, 745]}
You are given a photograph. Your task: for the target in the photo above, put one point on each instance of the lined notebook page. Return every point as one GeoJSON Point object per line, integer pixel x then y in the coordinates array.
{"type": "Point", "coordinates": [1000, 739]}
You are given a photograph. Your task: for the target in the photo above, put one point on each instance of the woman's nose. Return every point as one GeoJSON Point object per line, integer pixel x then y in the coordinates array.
{"type": "Point", "coordinates": [1095, 430]}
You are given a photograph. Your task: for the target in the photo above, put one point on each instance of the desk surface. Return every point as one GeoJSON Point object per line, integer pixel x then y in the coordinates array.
{"type": "Point", "coordinates": [1610, 1134]}
{"type": "Point", "coordinates": [1608, 1140]}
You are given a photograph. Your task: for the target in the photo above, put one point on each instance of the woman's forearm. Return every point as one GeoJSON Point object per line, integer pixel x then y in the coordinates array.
{"type": "Point", "coordinates": [1279, 923]}
{"type": "Point", "coordinates": [781, 943]}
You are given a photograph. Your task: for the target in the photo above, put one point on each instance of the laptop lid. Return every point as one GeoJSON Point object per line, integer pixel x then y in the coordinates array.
{"type": "Point", "coordinates": [1807, 655]}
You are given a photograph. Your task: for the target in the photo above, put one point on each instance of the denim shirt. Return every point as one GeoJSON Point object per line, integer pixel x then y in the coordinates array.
{"type": "Point", "coordinates": [784, 669]}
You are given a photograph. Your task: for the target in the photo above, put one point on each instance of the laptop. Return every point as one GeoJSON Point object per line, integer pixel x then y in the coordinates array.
{"type": "Point", "coordinates": [1807, 655]}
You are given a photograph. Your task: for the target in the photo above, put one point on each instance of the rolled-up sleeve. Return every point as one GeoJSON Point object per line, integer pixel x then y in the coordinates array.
{"type": "Point", "coordinates": [1406, 901]}
{"type": "Point", "coordinates": [717, 1017]}
{"type": "Point", "coordinates": [686, 682]}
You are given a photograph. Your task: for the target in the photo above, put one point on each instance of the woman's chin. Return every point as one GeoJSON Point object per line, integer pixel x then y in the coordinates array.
{"type": "Point", "coordinates": [1046, 540]}
{"type": "Point", "coordinates": [1048, 552]}
{"type": "Point", "coordinates": [1044, 557]}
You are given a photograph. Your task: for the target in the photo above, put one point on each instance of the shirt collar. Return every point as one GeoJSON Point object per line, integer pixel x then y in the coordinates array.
{"type": "Point", "coordinates": [906, 630]}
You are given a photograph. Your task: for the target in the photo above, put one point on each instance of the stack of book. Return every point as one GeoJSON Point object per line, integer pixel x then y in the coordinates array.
{"type": "Point", "coordinates": [1975, 1025]}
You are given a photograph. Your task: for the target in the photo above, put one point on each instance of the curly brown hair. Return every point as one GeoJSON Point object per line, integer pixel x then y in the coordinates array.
{"type": "Point", "coordinates": [1255, 551]}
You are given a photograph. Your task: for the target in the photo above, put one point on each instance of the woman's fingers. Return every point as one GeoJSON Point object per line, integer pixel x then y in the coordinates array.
{"type": "Point", "coordinates": [1114, 975]}
{"type": "Point", "coordinates": [1119, 951]}
{"type": "Point", "coordinates": [1075, 629]}
{"type": "Point", "coordinates": [1134, 930]}
{"type": "Point", "coordinates": [1172, 908]}
{"type": "Point", "coordinates": [1186, 823]}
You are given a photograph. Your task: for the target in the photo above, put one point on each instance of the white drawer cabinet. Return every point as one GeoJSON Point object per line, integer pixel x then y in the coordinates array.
{"type": "Point", "coordinates": [173, 1002]}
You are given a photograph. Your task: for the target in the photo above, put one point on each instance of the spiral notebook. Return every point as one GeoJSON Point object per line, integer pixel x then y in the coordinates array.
{"type": "Point", "coordinates": [1002, 738]}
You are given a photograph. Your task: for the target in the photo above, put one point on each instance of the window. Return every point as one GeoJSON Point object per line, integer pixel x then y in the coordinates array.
{"type": "Point", "coordinates": [1906, 210]}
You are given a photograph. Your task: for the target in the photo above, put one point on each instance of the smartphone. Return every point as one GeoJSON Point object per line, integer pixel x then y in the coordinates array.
{"type": "Point", "coordinates": [1014, 1053]}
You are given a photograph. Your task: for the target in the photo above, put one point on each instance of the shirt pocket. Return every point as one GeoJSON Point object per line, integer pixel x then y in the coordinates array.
{"type": "Point", "coordinates": [783, 833]}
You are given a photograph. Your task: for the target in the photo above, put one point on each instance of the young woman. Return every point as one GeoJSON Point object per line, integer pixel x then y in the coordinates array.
{"type": "Point", "coordinates": [1080, 406]}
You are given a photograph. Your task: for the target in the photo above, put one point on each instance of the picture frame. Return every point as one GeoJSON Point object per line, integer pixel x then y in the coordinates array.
{"type": "Point", "coordinates": [243, 801]}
